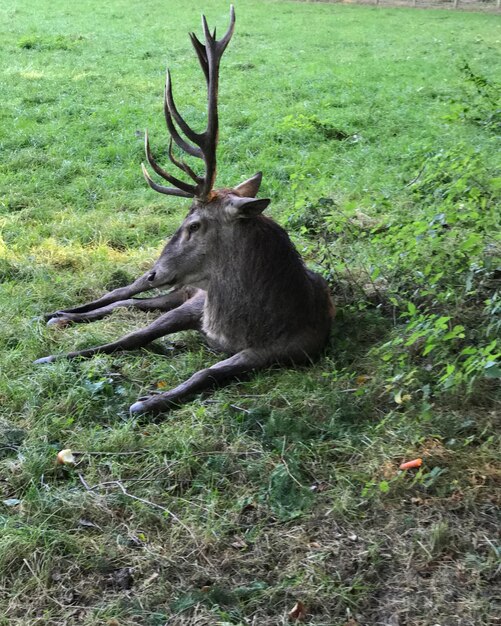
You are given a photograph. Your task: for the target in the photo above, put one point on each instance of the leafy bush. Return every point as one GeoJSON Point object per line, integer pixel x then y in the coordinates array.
{"type": "Point", "coordinates": [434, 268]}
{"type": "Point", "coordinates": [479, 102]}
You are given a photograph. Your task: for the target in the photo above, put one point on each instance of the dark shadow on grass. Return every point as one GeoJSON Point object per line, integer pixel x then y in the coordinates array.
{"type": "Point", "coordinates": [354, 333]}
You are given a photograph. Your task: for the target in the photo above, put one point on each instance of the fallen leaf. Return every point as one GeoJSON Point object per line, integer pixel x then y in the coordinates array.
{"type": "Point", "coordinates": [161, 384]}
{"type": "Point", "coordinates": [400, 399]}
{"type": "Point", "coordinates": [12, 502]}
{"type": "Point", "coordinates": [361, 380]}
{"type": "Point", "coordinates": [319, 487]}
{"type": "Point", "coordinates": [149, 580]}
{"type": "Point", "coordinates": [239, 544]}
{"type": "Point", "coordinates": [298, 612]}
{"type": "Point", "coordinates": [87, 523]}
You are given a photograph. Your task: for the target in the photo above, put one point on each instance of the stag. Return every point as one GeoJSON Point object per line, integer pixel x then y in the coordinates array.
{"type": "Point", "coordinates": [233, 274]}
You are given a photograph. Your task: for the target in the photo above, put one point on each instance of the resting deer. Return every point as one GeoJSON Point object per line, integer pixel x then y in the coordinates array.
{"type": "Point", "coordinates": [234, 274]}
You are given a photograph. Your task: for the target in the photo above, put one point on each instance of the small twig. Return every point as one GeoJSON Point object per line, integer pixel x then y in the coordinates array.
{"type": "Point", "coordinates": [157, 506]}
{"type": "Point", "coordinates": [290, 473]}
{"type": "Point", "coordinates": [236, 452]}
{"type": "Point", "coordinates": [31, 570]}
{"type": "Point", "coordinates": [253, 395]}
{"type": "Point", "coordinates": [85, 483]}
{"type": "Point", "coordinates": [425, 549]}
{"type": "Point", "coordinates": [239, 408]}
{"type": "Point", "coordinates": [107, 483]}
{"type": "Point", "coordinates": [192, 502]}
{"type": "Point", "coordinates": [83, 452]}
{"type": "Point", "coordinates": [285, 399]}
{"type": "Point", "coordinates": [414, 180]}
{"type": "Point", "coordinates": [118, 484]}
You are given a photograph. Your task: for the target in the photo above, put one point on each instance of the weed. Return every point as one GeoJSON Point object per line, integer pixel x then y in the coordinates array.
{"type": "Point", "coordinates": [48, 42]}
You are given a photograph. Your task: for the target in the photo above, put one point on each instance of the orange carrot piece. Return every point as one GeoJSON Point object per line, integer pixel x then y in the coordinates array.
{"type": "Point", "coordinates": [411, 464]}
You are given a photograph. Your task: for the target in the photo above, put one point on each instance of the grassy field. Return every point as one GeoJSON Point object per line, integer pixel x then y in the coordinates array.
{"type": "Point", "coordinates": [376, 130]}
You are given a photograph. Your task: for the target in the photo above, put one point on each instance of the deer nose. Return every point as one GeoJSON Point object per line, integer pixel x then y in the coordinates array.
{"type": "Point", "coordinates": [151, 277]}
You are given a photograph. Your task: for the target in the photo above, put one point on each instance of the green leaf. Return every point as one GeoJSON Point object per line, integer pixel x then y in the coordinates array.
{"type": "Point", "coordinates": [471, 242]}
{"type": "Point", "coordinates": [429, 348]}
{"type": "Point", "coordinates": [455, 333]}
{"type": "Point", "coordinates": [414, 337]}
{"type": "Point", "coordinates": [441, 322]}
{"type": "Point", "coordinates": [384, 486]}
{"type": "Point", "coordinates": [468, 350]}
{"type": "Point", "coordinates": [493, 371]}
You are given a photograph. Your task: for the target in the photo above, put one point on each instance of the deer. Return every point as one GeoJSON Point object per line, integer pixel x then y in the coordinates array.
{"type": "Point", "coordinates": [229, 272]}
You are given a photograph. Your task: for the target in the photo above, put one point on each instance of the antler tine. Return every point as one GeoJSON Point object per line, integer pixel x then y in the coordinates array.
{"type": "Point", "coordinates": [170, 191]}
{"type": "Point", "coordinates": [225, 40]}
{"type": "Point", "coordinates": [182, 165]}
{"type": "Point", "coordinates": [207, 34]}
{"type": "Point", "coordinates": [190, 189]}
{"type": "Point", "coordinates": [184, 145]}
{"type": "Point", "coordinates": [187, 130]}
{"type": "Point", "coordinates": [201, 54]}
{"type": "Point", "coordinates": [210, 56]}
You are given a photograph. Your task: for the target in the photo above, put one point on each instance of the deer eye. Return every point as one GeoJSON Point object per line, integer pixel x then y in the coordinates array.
{"type": "Point", "coordinates": [194, 227]}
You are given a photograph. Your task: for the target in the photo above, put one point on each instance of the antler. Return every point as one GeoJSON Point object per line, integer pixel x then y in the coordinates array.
{"type": "Point", "coordinates": [201, 145]}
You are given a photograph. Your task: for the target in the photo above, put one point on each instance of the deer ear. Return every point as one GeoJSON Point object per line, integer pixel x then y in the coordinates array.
{"type": "Point", "coordinates": [250, 187]}
{"type": "Point", "coordinates": [242, 208]}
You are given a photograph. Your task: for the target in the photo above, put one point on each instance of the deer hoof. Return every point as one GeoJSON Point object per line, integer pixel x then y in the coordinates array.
{"type": "Point", "coordinates": [138, 407]}
{"type": "Point", "coordinates": [153, 404]}
{"type": "Point", "coordinates": [45, 359]}
{"type": "Point", "coordinates": [58, 322]}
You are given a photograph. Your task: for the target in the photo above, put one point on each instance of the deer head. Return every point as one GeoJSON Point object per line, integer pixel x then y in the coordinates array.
{"type": "Point", "coordinates": [184, 259]}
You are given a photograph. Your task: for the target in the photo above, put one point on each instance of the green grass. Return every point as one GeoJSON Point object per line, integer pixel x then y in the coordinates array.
{"type": "Point", "coordinates": [378, 147]}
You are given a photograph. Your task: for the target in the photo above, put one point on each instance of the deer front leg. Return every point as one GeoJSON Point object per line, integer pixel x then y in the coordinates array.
{"type": "Point", "coordinates": [185, 317]}
{"type": "Point", "coordinates": [241, 363]}
{"type": "Point", "coordinates": [122, 293]}
{"type": "Point", "coordinates": [165, 302]}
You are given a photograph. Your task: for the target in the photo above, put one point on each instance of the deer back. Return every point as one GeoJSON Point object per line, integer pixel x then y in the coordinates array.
{"type": "Point", "coordinates": [260, 294]}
